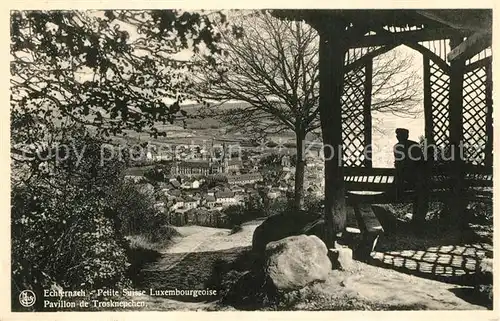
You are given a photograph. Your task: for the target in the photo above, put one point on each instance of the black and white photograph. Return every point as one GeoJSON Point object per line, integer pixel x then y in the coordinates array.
{"type": "Point", "coordinates": [269, 159]}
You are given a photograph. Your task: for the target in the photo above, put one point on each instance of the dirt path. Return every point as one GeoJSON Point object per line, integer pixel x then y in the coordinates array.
{"type": "Point", "coordinates": [191, 240]}
{"type": "Point", "coordinates": [188, 263]}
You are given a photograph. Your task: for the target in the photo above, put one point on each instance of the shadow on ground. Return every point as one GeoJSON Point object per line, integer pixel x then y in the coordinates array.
{"type": "Point", "coordinates": [432, 252]}
{"type": "Point", "coordinates": [190, 271]}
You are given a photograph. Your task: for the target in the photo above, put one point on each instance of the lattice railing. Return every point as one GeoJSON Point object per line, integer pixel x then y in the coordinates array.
{"type": "Point", "coordinates": [440, 84]}
{"type": "Point", "coordinates": [394, 29]}
{"type": "Point", "coordinates": [353, 98]}
{"type": "Point", "coordinates": [354, 54]}
{"type": "Point", "coordinates": [480, 55]}
{"type": "Point", "coordinates": [438, 47]}
{"type": "Point", "coordinates": [475, 111]}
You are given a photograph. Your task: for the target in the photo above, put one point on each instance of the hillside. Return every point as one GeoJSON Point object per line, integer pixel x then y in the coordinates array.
{"type": "Point", "coordinates": [191, 261]}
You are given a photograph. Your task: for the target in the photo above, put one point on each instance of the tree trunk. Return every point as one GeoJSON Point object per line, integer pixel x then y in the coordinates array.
{"type": "Point", "coordinates": [331, 72]}
{"type": "Point", "coordinates": [299, 171]}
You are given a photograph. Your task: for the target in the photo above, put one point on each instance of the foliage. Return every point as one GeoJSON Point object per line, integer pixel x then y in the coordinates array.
{"type": "Point", "coordinates": [273, 65]}
{"type": "Point", "coordinates": [215, 181]}
{"type": "Point", "coordinates": [254, 204]}
{"type": "Point", "coordinates": [137, 214]}
{"type": "Point", "coordinates": [480, 213]}
{"type": "Point", "coordinates": [108, 69]}
{"type": "Point", "coordinates": [158, 173]}
{"type": "Point", "coordinates": [64, 228]}
{"type": "Point", "coordinates": [271, 169]}
{"type": "Point", "coordinates": [79, 76]}
{"type": "Point", "coordinates": [235, 215]}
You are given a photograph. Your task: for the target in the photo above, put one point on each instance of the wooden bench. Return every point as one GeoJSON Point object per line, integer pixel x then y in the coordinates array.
{"type": "Point", "coordinates": [362, 230]}
{"type": "Point", "coordinates": [376, 185]}
{"type": "Point", "coordinates": [371, 230]}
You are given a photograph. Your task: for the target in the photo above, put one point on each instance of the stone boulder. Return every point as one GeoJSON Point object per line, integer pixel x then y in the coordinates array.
{"type": "Point", "coordinates": [341, 257]}
{"type": "Point", "coordinates": [296, 261]}
{"type": "Point", "coordinates": [286, 224]}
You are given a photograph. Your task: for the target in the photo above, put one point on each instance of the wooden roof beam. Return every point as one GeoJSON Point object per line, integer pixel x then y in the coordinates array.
{"type": "Point", "coordinates": [471, 19]}
{"type": "Point", "coordinates": [397, 38]}
{"type": "Point", "coordinates": [470, 46]}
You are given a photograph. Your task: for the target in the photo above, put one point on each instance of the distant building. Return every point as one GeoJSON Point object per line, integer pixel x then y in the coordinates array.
{"type": "Point", "coordinates": [274, 193]}
{"type": "Point", "coordinates": [190, 203]}
{"type": "Point", "coordinates": [249, 178]}
{"type": "Point", "coordinates": [134, 178]}
{"type": "Point", "coordinates": [159, 206]}
{"type": "Point", "coordinates": [225, 197]}
{"type": "Point", "coordinates": [210, 201]}
{"type": "Point", "coordinates": [191, 185]}
{"type": "Point", "coordinates": [147, 189]}
{"type": "Point", "coordinates": [233, 166]}
{"type": "Point", "coordinates": [238, 189]}
{"type": "Point", "coordinates": [240, 198]}
{"type": "Point", "coordinates": [216, 168]}
{"type": "Point", "coordinates": [174, 193]}
{"type": "Point", "coordinates": [175, 183]}
{"type": "Point", "coordinates": [191, 167]}
{"type": "Point", "coordinates": [285, 161]}
{"type": "Point", "coordinates": [203, 166]}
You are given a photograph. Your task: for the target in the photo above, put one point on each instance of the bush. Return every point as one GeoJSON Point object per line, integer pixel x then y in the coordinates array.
{"type": "Point", "coordinates": [69, 218]}
{"type": "Point", "coordinates": [137, 214]}
{"type": "Point", "coordinates": [235, 215]}
{"type": "Point", "coordinates": [158, 173]}
{"type": "Point", "coordinates": [64, 230]}
{"type": "Point", "coordinates": [480, 213]}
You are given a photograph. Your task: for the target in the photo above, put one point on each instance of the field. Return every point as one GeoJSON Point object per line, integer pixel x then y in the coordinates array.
{"type": "Point", "coordinates": [204, 130]}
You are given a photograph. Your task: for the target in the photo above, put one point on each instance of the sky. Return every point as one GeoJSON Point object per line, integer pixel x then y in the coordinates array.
{"type": "Point", "coordinates": [383, 142]}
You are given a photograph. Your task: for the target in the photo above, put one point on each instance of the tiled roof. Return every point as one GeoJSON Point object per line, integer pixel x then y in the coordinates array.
{"type": "Point", "coordinates": [234, 162]}
{"type": "Point", "coordinates": [210, 198]}
{"type": "Point", "coordinates": [224, 194]}
{"type": "Point", "coordinates": [245, 177]}
{"type": "Point", "coordinates": [195, 164]}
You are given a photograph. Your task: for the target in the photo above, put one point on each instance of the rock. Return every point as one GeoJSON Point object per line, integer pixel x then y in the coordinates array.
{"type": "Point", "coordinates": [341, 257]}
{"type": "Point", "coordinates": [296, 261]}
{"type": "Point", "coordinates": [283, 225]}
{"type": "Point", "coordinates": [316, 227]}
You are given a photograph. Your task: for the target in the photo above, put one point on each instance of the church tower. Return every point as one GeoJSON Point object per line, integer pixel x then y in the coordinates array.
{"type": "Point", "coordinates": [225, 158]}
{"type": "Point", "coordinates": [175, 164]}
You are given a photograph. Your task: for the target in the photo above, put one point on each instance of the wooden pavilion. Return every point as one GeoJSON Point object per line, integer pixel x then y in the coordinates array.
{"type": "Point", "coordinates": [457, 61]}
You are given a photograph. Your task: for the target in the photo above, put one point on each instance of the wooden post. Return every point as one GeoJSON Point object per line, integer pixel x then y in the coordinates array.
{"type": "Point", "coordinates": [331, 73]}
{"type": "Point", "coordinates": [457, 203]}
{"type": "Point", "coordinates": [430, 151]}
{"type": "Point", "coordinates": [488, 160]}
{"type": "Point", "coordinates": [429, 123]}
{"type": "Point", "coordinates": [367, 113]}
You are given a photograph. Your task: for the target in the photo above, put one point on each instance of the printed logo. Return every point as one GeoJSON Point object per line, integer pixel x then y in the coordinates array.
{"type": "Point", "coordinates": [27, 298]}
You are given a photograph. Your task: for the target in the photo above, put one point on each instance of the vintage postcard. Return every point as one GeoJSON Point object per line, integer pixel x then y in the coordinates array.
{"type": "Point", "coordinates": [259, 159]}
